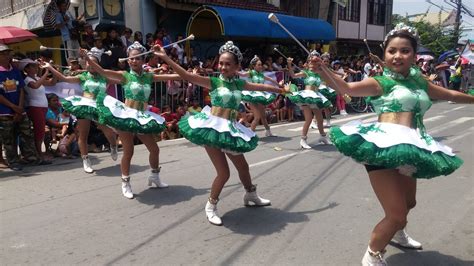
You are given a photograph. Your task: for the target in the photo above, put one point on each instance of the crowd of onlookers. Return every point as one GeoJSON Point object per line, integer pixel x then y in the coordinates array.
{"type": "Point", "coordinates": [44, 123]}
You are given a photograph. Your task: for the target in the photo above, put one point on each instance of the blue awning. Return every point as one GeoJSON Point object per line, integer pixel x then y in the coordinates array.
{"type": "Point", "coordinates": [234, 22]}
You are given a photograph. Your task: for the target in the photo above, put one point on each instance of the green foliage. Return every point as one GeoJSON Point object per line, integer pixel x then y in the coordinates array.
{"type": "Point", "coordinates": [434, 37]}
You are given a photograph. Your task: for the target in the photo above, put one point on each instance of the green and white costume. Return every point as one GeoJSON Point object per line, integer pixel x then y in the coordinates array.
{"type": "Point", "coordinates": [116, 114]}
{"type": "Point", "coordinates": [258, 97]}
{"type": "Point", "coordinates": [312, 98]}
{"type": "Point", "coordinates": [86, 107]}
{"type": "Point", "coordinates": [328, 92]}
{"type": "Point", "coordinates": [206, 129]}
{"type": "Point", "coordinates": [410, 150]}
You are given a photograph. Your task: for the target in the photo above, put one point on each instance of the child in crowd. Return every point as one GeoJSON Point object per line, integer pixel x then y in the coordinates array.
{"type": "Point", "coordinates": [68, 147]}
{"type": "Point", "coordinates": [171, 123]}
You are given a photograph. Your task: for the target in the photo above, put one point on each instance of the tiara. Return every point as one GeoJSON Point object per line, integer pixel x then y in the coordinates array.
{"type": "Point", "coordinates": [401, 27]}
{"type": "Point", "coordinates": [136, 46]}
{"type": "Point", "coordinates": [231, 48]}
{"type": "Point", "coordinates": [96, 53]}
{"type": "Point", "coordinates": [313, 53]}
{"type": "Point", "coordinates": [254, 60]}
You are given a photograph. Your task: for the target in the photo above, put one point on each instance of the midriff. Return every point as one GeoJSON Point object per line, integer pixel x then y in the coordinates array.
{"type": "Point", "coordinates": [138, 105]}
{"type": "Point", "coordinates": [401, 118]}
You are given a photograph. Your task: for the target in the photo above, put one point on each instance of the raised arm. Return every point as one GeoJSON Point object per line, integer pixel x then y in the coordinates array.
{"type": "Point", "coordinates": [109, 74]}
{"type": "Point", "coordinates": [165, 77]}
{"type": "Point", "coordinates": [272, 80]}
{"type": "Point", "coordinates": [366, 87]}
{"type": "Point", "coordinates": [440, 93]}
{"type": "Point", "coordinates": [59, 75]}
{"type": "Point", "coordinates": [264, 87]}
{"type": "Point", "coordinates": [38, 83]}
{"type": "Point", "coordinates": [191, 77]}
{"type": "Point", "coordinates": [244, 74]}
{"type": "Point", "coordinates": [290, 69]}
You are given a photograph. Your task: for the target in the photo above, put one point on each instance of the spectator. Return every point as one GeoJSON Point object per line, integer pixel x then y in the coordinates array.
{"type": "Point", "coordinates": [195, 108]}
{"type": "Point", "coordinates": [138, 37]}
{"type": "Point", "coordinates": [166, 38]}
{"type": "Point", "coordinates": [158, 38]}
{"type": "Point", "coordinates": [278, 65]}
{"type": "Point", "coordinates": [36, 100]}
{"type": "Point", "coordinates": [13, 119]}
{"type": "Point", "coordinates": [88, 37]}
{"type": "Point", "coordinates": [113, 43]}
{"type": "Point", "coordinates": [74, 68]}
{"type": "Point", "coordinates": [368, 70]}
{"type": "Point", "coordinates": [278, 108]}
{"type": "Point", "coordinates": [150, 41]}
{"type": "Point", "coordinates": [178, 50]}
{"type": "Point", "coordinates": [64, 23]}
{"type": "Point", "coordinates": [68, 146]}
{"type": "Point", "coordinates": [56, 119]}
{"type": "Point", "coordinates": [125, 38]}
{"type": "Point", "coordinates": [268, 65]}
{"type": "Point", "coordinates": [171, 118]}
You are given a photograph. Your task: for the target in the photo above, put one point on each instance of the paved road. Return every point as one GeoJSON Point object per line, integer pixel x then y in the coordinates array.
{"type": "Point", "coordinates": [322, 212]}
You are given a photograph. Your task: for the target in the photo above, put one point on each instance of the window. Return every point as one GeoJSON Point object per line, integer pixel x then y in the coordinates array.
{"type": "Point", "coordinates": [376, 12]}
{"type": "Point", "coordinates": [351, 12]}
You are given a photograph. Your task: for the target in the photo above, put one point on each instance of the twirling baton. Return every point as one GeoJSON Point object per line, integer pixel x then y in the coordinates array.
{"type": "Point", "coordinates": [278, 51]}
{"type": "Point", "coordinates": [274, 19]}
{"type": "Point", "coordinates": [189, 38]}
{"type": "Point", "coordinates": [43, 48]}
{"type": "Point", "coordinates": [367, 45]}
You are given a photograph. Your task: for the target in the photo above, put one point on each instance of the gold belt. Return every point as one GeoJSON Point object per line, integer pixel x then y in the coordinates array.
{"type": "Point", "coordinates": [401, 118]}
{"type": "Point", "coordinates": [88, 95]}
{"type": "Point", "coordinates": [311, 87]}
{"type": "Point", "coordinates": [225, 113]}
{"type": "Point", "coordinates": [138, 105]}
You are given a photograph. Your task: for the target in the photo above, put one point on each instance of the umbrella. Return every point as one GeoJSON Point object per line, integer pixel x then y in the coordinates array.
{"type": "Point", "coordinates": [426, 57]}
{"type": "Point", "coordinates": [441, 67]}
{"type": "Point", "coordinates": [450, 53]}
{"type": "Point", "coordinates": [11, 34]}
{"type": "Point", "coordinates": [424, 51]}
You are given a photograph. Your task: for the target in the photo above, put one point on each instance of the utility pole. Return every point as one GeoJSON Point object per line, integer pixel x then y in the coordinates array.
{"type": "Point", "coordinates": [457, 23]}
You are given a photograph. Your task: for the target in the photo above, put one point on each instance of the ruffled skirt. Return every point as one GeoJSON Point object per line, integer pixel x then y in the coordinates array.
{"type": "Point", "coordinates": [329, 93]}
{"type": "Point", "coordinates": [208, 130]}
{"type": "Point", "coordinates": [258, 97]}
{"type": "Point", "coordinates": [394, 146]}
{"type": "Point", "coordinates": [313, 99]}
{"type": "Point", "coordinates": [81, 107]}
{"type": "Point", "coordinates": [116, 114]}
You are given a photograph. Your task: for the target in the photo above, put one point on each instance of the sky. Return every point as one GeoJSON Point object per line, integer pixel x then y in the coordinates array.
{"type": "Point", "coordinates": [411, 7]}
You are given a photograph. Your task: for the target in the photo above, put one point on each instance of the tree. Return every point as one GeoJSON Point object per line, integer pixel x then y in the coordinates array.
{"type": "Point", "coordinates": [434, 37]}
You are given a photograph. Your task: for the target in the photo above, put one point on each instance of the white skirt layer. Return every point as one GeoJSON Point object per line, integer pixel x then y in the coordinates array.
{"type": "Point", "coordinates": [121, 111]}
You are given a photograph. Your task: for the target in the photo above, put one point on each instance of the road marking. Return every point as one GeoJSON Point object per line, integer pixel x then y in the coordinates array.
{"type": "Point", "coordinates": [452, 110]}
{"type": "Point", "coordinates": [338, 121]}
{"type": "Point", "coordinates": [278, 158]}
{"type": "Point", "coordinates": [449, 125]}
{"type": "Point", "coordinates": [465, 134]}
{"type": "Point", "coordinates": [434, 118]}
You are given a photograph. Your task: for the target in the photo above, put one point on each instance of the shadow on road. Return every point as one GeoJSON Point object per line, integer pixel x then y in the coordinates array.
{"type": "Point", "coordinates": [169, 196]}
{"type": "Point", "coordinates": [432, 258]}
{"type": "Point", "coordinates": [274, 139]}
{"type": "Point", "coordinates": [260, 221]}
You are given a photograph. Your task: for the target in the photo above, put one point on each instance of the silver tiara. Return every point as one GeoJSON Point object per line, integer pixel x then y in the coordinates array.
{"type": "Point", "coordinates": [254, 60]}
{"type": "Point", "coordinates": [313, 53]}
{"type": "Point", "coordinates": [231, 48]}
{"type": "Point", "coordinates": [401, 27]}
{"type": "Point", "coordinates": [136, 46]}
{"type": "Point", "coordinates": [96, 53]}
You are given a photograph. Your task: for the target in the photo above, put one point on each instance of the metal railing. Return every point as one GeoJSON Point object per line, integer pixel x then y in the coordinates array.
{"type": "Point", "coordinates": [10, 7]}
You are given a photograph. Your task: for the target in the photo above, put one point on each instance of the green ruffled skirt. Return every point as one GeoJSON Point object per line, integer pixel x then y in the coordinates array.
{"type": "Point", "coordinates": [394, 146]}
{"type": "Point", "coordinates": [208, 130]}
{"type": "Point", "coordinates": [329, 93]}
{"type": "Point", "coordinates": [258, 97]}
{"type": "Point", "coordinates": [116, 114]}
{"type": "Point", "coordinates": [309, 97]}
{"type": "Point", "coordinates": [81, 107]}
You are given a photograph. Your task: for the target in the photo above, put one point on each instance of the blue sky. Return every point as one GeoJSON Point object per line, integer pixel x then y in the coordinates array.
{"type": "Point", "coordinates": [411, 7]}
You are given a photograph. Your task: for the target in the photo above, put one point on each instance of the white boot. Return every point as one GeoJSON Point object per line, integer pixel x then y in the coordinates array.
{"type": "Point", "coordinates": [402, 238]}
{"type": "Point", "coordinates": [268, 133]}
{"type": "Point", "coordinates": [324, 140]}
{"type": "Point", "coordinates": [154, 178]}
{"type": "Point", "coordinates": [251, 196]}
{"type": "Point", "coordinates": [114, 152]}
{"type": "Point", "coordinates": [313, 125]}
{"type": "Point", "coordinates": [211, 212]}
{"type": "Point", "coordinates": [343, 112]}
{"type": "Point", "coordinates": [373, 258]}
{"type": "Point", "coordinates": [126, 188]}
{"type": "Point", "coordinates": [86, 163]}
{"type": "Point", "coordinates": [303, 143]}
{"type": "Point", "coordinates": [328, 123]}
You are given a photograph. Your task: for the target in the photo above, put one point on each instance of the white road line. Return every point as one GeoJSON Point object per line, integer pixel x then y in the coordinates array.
{"type": "Point", "coordinates": [333, 121]}
{"type": "Point", "coordinates": [452, 110]}
{"type": "Point", "coordinates": [449, 125]}
{"type": "Point", "coordinates": [434, 118]}
{"type": "Point", "coordinates": [465, 134]}
{"type": "Point", "coordinates": [279, 158]}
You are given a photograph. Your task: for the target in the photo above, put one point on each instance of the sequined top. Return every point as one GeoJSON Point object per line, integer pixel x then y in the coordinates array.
{"type": "Point", "coordinates": [137, 87]}
{"type": "Point", "coordinates": [256, 77]}
{"type": "Point", "coordinates": [93, 84]}
{"type": "Point", "coordinates": [226, 93]}
{"type": "Point", "coordinates": [312, 79]}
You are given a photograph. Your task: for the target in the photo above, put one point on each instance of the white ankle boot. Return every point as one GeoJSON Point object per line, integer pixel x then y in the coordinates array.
{"type": "Point", "coordinates": [114, 152]}
{"type": "Point", "coordinates": [126, 188]}
{"type": "Point", "coordinates": [211, 212]}
{"type": "Point", "coordinates": [403, 239]}
{"type": "Point", "coordinates": [86, 163]}
{"type": "Point", "coordinates": [304, 144]}
{"type": "Point", "coordinates": [373, 258]}
{"type": "Point", "coordinates": [268, 133]}
{"type": "Point", "coordinates": [154, 178]}
{"type": "Point", "coordinates": [328, 123]}
{"type": "Point", "coordinates": [324, 140]}
{"type": "Point", "coordinates": [251, 196]}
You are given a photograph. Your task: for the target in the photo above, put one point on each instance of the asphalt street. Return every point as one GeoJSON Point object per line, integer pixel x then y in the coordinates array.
{"type": "Point", "coordinates": [323, 208]}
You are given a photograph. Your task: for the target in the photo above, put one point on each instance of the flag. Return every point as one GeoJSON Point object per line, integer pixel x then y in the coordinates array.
{"type": "Point", "coordinates": [468, 52]}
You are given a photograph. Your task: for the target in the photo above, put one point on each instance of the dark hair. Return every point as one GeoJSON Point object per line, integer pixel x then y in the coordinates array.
{"type": "Point", "coordinates": [404, 35]}
{"type": "Point", "coordinates": [236, 59]}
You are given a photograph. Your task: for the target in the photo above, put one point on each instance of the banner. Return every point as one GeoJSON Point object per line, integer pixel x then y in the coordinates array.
{"type": "Point", "coordinates": [468, 52]}
{"type": "Point", "coordinates": [64, 89]}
